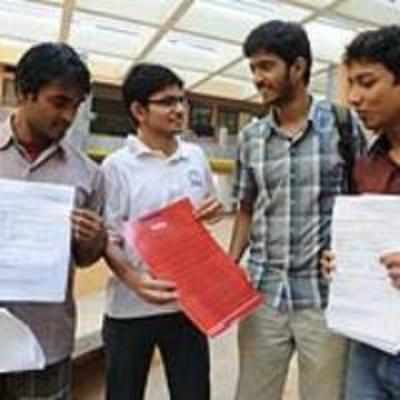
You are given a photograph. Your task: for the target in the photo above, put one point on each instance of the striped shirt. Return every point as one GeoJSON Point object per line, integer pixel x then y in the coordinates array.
{"type": "Point", "coordinates": [291, 185]}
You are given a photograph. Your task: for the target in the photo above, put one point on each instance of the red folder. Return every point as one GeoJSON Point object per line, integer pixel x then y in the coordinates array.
{"type": "Point", "coordinates": [213, 290]}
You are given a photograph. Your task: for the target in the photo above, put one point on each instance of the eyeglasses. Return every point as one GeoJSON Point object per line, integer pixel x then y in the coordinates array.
{"type": "Point", "coordinates": [169, 101]}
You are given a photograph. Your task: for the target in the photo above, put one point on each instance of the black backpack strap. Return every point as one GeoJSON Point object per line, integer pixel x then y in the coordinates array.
{"type": "Point", "coordinates": [347, 145]}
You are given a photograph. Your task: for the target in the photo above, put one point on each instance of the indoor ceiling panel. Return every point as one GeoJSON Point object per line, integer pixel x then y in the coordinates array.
{"type": "Point", "coordinates": [381, 12]}
{"type": "Point", "coordinates": [232, 20]}
{"type": "Point", "coordinates": [240, 71]}
{"type": "Point", "coordinates": [12, 50]}
{"type": "Point", "coordinates": [190, 52]}
{"type": "Point", "coordinates": [227, 88]}
{"type": "Point", "coordinates": [314, 4]}
{"type": "Point", "coordinates": [153, 12]}
{"type": "Point", "coordinates": [55, 2]}
{"type": "Point", "coordinates": [25, 20]}
{"type": "Point", "coordinates": [107, 35]}
{"type": "Point", "coordinates": [107, 69]}
{"type": "Point", "coordinates": [189, 77]}
{"type": "Point", "coordinates": [327, 40]}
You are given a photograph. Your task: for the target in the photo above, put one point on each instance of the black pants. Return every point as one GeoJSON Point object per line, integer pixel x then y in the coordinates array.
{"type": "Point", "coordinates": [129, 347]}
{"type": "Point", "coordinates": [51, 383]}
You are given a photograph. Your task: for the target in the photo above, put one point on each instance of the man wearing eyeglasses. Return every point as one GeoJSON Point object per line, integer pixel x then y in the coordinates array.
{"type": "Point", "coordinates": [153, 170]}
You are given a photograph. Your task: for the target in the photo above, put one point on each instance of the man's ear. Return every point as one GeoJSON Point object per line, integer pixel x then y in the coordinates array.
{"type": "Point", "coordinates": [24, 97]}
{"type": "Point", "coordinates": [298, 68]}
{"type": "Point", "coordinates": [138, 111]}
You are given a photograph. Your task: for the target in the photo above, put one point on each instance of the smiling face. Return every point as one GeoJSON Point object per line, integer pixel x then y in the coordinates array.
{"type": "Point", "coordinates": [274, 78]}
{"type": "Point", "coordinates": [375, 95]}
{"type": "Point", "coordinates": [164, 112]}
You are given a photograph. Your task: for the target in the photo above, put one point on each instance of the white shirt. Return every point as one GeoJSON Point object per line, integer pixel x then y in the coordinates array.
{"type": "Point", "coordinates": [140, 181]}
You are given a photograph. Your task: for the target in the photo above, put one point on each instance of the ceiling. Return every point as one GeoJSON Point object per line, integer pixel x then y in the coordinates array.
{"type": "Point", "coordinates": [200, 39]}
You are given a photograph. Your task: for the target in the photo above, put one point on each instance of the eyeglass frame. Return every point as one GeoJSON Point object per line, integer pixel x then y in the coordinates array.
{"type": "Point", "coordinates": [169, 101]}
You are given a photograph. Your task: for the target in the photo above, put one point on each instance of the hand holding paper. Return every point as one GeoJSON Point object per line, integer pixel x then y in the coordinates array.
{"type": "Point", "coordinates": [155, 291]}
{"type": "Point", "coordinates": [363, 303]}
{"type": "Point", "coordinates": [392, 262]}
{"type": "Point", "coordinates": [35, 240]}
{"type": "Point", "coordinates": [212, 290]}
{"type": "Point", "coordinates": [210, 210]}
{"type": "Point", "coordinates": [151, 290]}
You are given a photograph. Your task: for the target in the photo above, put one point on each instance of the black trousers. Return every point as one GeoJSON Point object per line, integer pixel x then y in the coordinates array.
{"type": "Point", "coordinates": [51, 383]}
{"type": "Point", "coordinates": [129, 347]}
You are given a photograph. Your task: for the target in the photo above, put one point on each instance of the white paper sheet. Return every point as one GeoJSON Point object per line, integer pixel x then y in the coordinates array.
{"type": "Point", "coordinates": [20, 350]}
{"type": "Point", "coordinates": [363, 304]}
{"type": "Point", "coordinates": [35, 240]}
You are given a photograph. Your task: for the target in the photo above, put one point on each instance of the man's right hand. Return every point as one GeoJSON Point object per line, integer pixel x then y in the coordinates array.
{"type": "Point", "coordinates": [153, 290]}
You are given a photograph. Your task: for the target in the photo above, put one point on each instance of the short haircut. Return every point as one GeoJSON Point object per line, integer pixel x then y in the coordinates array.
{"type": "Point", "coordinates": [145, 79]}
{"type": "Point", "coordinates": [51, 62]}
{"type": "Point", "coordinates": [377, 46]}
{"type": "Point", "coordinates": [287, 40]}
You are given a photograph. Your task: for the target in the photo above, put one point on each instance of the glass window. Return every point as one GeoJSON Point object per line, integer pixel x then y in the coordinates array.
{"type": "Point", "coordinates": [200, 119]}
{"type": "Point", "coordinates": [110, 118]}
{"type": "Point", "coordinates": [244, 119]}
{"type": "Point", "coordinates": [9, 96]}
{"type": "Point", "coordinates": [230, 120]}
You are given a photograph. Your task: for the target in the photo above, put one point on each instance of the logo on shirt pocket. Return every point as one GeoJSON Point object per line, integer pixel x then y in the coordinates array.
{"type": "Point", "coordinates": [195, 178]}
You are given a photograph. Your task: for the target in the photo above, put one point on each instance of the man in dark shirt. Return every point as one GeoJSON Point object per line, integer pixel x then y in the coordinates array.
{"type": "Point", "coordinates": [373, 63]}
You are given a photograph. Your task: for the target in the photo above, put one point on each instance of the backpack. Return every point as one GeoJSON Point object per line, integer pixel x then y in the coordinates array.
{"type": "Point", "coordinates": [348, 146]}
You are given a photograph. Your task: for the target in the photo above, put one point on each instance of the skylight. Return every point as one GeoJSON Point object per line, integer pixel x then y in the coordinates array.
{"type": "Point", "coordinates": [262, 8]}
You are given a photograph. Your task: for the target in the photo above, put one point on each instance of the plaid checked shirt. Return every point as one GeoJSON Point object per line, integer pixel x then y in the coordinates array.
{"type": "Point", "coordinates": [291, 185]}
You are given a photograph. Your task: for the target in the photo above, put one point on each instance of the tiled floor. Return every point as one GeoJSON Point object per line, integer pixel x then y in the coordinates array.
{"type": "Point", "coordinates": [89, 377]}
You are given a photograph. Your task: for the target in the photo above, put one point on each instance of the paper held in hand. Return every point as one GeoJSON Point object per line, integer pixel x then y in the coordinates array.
{"type": "Point", "coordinates": [213, 291]}
{"type": "Point", "coordinates": [35, 240]}
{"type": "Point", "coordinates": [363, 304]}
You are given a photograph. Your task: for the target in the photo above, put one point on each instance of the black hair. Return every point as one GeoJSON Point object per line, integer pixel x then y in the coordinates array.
{"type": "Point", "coordinates": [378, 46]}
{"type": "Point", "coordinates": [50, 62]}
{"type": "Point", "coordinates": [145, 79]}
{"type": "Point", "coordinates": [287, 40]}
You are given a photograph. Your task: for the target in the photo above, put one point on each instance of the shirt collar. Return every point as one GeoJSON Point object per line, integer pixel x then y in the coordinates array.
{"type": "Point", "coordinates": [379, 146]}
{"type": "Point", "coordinates": [271, 117]}
{"type": "Point", "coordinates": [7, 136]}
{"type": "Point", "coordinates": [137, 147]}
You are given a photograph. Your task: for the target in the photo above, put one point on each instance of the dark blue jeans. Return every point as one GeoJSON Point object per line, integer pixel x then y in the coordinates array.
{"type": "Point", "coordinates": [372, 374]}
{"type": "Point", "coordinates": [129, 347]}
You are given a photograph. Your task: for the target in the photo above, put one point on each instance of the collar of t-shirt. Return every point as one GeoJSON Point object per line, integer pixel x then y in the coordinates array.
{"type": "Point", "coordinates": [141, 149]}
{"type": "Point", "coordinates": [379, 145]}
{"type": "Point", "coordinates": [32, 150]}
{"type": "Point", "coordinates": [272, 116]}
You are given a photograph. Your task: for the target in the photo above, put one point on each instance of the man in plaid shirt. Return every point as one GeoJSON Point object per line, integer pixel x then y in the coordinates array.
{"type": "Point", "coordinates": [289, 169]}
